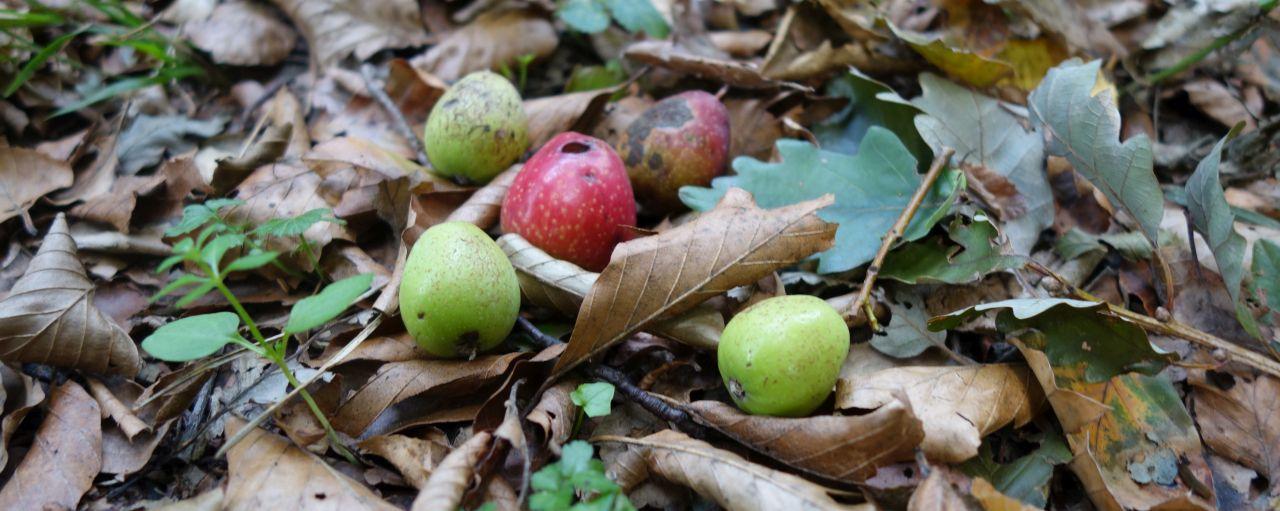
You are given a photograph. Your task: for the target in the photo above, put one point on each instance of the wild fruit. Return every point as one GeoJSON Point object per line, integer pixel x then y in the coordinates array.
{"type": "Point", "coordinates": [477, 129]}
{"type": "Point", "coordinates": [459, 295]}
{"type": "Point", "coordinates": [573, 200]}
{"type": "Point", "coordinates": [782, 356]}
{"type": "Point", "coordinates": [682, 140]}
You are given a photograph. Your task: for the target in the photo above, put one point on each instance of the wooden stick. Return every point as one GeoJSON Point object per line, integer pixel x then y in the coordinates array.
{"type": "Point", "coordinates": [397, 117]}
{"type": "Point", "coordinates": [856, 307]}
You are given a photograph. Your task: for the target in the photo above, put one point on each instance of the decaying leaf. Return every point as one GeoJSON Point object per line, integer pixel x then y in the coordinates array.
{"type": "Point", "coordinates": [265, 471]}
{"type": "Point", "coordinates": [64, 458]}
{"type": "Point", "coordinates": [724, 477]}
{"type": "Point", "coordinates": [49, 317]}
{"type": "Point", "coordinates": [555, 415]}
{"type": "Point", "coordinates": [735, 244]}
{"type": "Point", "coordinates": [494, 39]}
{"type": "Point", "coordinates": [1241, 421]}
{"type": "Point", "coordinates": [957, 405]}
{"type": "Point", "coordinates": [839, 448]}
{"type": "Point", "coordinates": [335, 29]}
{"type": "Point", "coordinates": [26, 175]}
{"type": "Point", "coordinates": [415, 458]}
{"type": "Point", "coordinates": [453, 476]}
{"type": "Point", "coordinates": [21, 395]}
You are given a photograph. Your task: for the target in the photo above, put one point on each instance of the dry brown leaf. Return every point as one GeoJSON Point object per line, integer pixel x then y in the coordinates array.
{"type": "Point", "coordinates": [383, 348]}
{"type": "Point", "coordinates": [1220, 103]}
{"type": "Point", "coordinates": [265, 471]}
{"type": "Point", "coordinates": [335, 28]}
{"type": "Point", "coordinates": [724, 477]}
{"type": "Point", "coordinates": [413, 92]}
{"type": "Point", "coordinates": [1242, 422]}
{"type": "Point", "coordinates": [575, 111]}
{"type": "Point", "coordinates": [992, 500]}
{"type": "Point", "coordinates": [666, 274]}
{"type": "Point", "coordinates": [120, 412]}
{"type": "Point", "coordinates": [758, 141]}
{"type": "Point", "coordinates": [133, 435]}
{"type": "Point", "coordinates": [484, 206]}
{"type": "Point", "coordinates": [241, 33]}
{"type": "Point", "coordinates": [801, 51]}
{"type": "Point", "coordinates": [730, 72]}
{"type": "Point", "coordinates": [398, 381]}
{"type": "Point", "coordinates": [285, 190]}
{"type": "Point", "coordinates": [49, 317]}
{"type": "Point", "coordinates": [27, 175]}
{"type": "Point", "coordinates": [21, 395]}
{"type": "Point", "coordinates": [232, 170]}
{"type": "Point", "coordinates": [116, 206]}
{"type": "Point", "coordinates": [415, 458]}
{"type": "Point", "coordinates": [207, 501]}
{"type": "Point", "coordinates": [453, 476]}
{"type": "Point", "coordinates": [554, 415]}
{"type": "Point", "coordinates": [493, 39]}
{"type": "Point", "coordinates": [840, 448]}
{"type": "Point", "coordinates": [937, 494]}
{"type": "Point", "coordinates": [958, 405]}
{"type": "Point", "coordinates": [64, 458]}
{"type": "Point", "coordinates": [560, 285]}
{"type": "Point", "coordinates": [740, 43]}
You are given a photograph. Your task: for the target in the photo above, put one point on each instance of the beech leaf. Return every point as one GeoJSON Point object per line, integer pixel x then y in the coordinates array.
{"type": "Point", "coordinates": [734, 245]}
{"type": "Point", "coordinates": [49, 317]}
{"type": "Point", "coordinates": [1082, 123]}
{"type": "Point", "coordinates": [27, 175]}
{"type": "Point", "coordinates": [64, 458]}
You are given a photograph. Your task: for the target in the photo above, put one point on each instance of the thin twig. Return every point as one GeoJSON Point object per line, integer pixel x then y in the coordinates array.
{"type": "Point", "coordinates": [864, 294]}
{"type": "Point", "coordinates": [1172, 327]}
{"type": "Point", "coordinates": [397, 117]}
{"type": "Point", "coordinates": [624, 386]}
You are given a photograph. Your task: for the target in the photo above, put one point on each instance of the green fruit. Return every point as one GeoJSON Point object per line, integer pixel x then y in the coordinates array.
{"type": "Point", "coordinates": [459, 295]}
{"type": "Point", "coordinates": [782, 356]}
{"type": "Point", "coordinates": [477, 129]}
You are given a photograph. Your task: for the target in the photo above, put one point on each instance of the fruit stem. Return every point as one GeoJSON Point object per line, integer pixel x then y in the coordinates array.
{"type": "Point", "coordinates": [864, 295]}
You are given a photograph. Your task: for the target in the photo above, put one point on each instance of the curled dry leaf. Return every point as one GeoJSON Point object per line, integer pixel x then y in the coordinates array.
{"type": "Point", "coordinates": [335, 29]}
{"type": "Point", "coordinates": [840, 448]}
{"type": "Point", "coordinates": [958, 405]}
{"type": "Point", "coordinates": [49, 317]}
{"type": "Point", "coordinates": [668, 55]}
{"type": "Point", "coordinates": [265, 471]}
{"type": "Point", "coordinates": [575, 111]}
{"type": "Point", "coordinates": [724, 477]}
{"type": "Point", "coordinates": [65, 457]}
{"type": "Point", "coordinates": [666, 274]}
{"type": "Point", "coordinates": [129, 440]}
{"type": "Point", "coordinates": [483, 207]}
{"type": "Point", "coordinates": [555, 414]}
{"type": "Point", "coordinates": [560, 285]}
{"type": "Point", "coordinates": [397, 381]}
{"type": "Point", "coordinates": [493, 39]}
{"type": "Point", "coordinates": [1242, 421]}
{"type": "Point", "coordinates": [27, 175]}
{"type": "Point", "coordinates": [242, 33]}
{"type": "Point", "coordinates": [451, 479]}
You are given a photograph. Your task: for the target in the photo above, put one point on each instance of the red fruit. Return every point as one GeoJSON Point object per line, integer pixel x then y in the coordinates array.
{"type": "Point", "coordinates": [682, 140]}
{"type": "Point", "coordinates": [573, 200]}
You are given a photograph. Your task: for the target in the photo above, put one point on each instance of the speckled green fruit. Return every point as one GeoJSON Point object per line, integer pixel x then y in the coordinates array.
{"type": "Point", "coordinates": [477, 129]}
{"type": "Point", "coordinates": [459, 295]}
{"type": "Point", "coordinates": [782, 356]}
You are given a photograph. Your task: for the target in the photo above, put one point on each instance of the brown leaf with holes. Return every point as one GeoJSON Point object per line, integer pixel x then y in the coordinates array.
{"type": "Point", "coordinates": [958, 405]}
{"type": "Point", "coordinates": [575, 111]}
{"type": "Point", "coordinates": [496, 38]}
{"type": "Point", "coordinates": [397, 381]}
{"type": "Point", "coordinates": [335, 29]}
{"type": "Point", "coordinates": [27, 175]}
{"type": "Point", "coordinates": [733, 245]}
{"type": "Point", "coordinates": [265, 471]}
{"type": "Point", "coordinates": [1241, 422]}
{"type": "Point", "coordinates": [49, 317]}
{"type": "Point", "coordinates": [724, 477]}
{"type": "Point", "coordinates": [64, 458]}
{"type": "Point", "coordinates": [840, 448]}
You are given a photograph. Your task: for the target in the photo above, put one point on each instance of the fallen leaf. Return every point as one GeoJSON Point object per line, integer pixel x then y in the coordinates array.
{"type": "Point", "coordinates": [415, 458]}
{"type": "Point", "coordinates": [453, 476]}
{"type": "Point", "coordinates": [1220, 103]}
{"type": "Point", "coordinates": [959, 63]}
{"type": "Point", "coordinates": [231, 170]}
{"type": "Point", "coordinates": [265, 471]}
{"type": "Point", "coordinates": [336, 29]}
{"type": "Point", "coordinates": [492, 40]}
{"type": "Point", "coordinates": [148, 137]}
{"type": "Point", "coordinates": [49, 318]}
{"type": "Point", "coordinates": [730, 72]}
{"type": "Point", "coordinates": [1083, 125]}
{"type": "Point", "coordinates": [117, 205]}
{"type": "Point", "coordinates": [241, 33]}
{"type": "Point", "coordinates": [957, 405]}
{"type": "Point", "coordinates": [1241, 420]}
{"type": "Point", "coordinates": [870, 103]}
{"type": "Point", "coordinates": [838, 448]}
{"type": "Point", "coordinates": [735, 244]}
{"type": "Point", "coordinates": [801, 51]}
{"type": "Point", "coordinates": [575, 111]}
{"type": "Point", "coordinates": [933, 260]}
{"type": "Point", "coordinates": [285, 190]}
{"type": "Point", "coordinates": [21, 395]}
{"type": "Point", "coordinates": [1026, 478]}
{"type": "Point", "coordinates": [937, 494]}
{"type": "Point", "coordinates": [555, 415]}
{"type": "Point", "coordinates": [483, 207]}
{"type": "Point", "coordinates": [907, 334]}
{"type": "Point", "coordinates": [724, 477]}
{"type": "Point", "coordinates": [25, 176]}
{"type": "Point", "coordinates": [993, 500]}
{"type": "Point", "coordinates": [65, 457]}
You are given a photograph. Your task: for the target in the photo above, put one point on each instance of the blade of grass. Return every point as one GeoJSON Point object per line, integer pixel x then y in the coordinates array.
{"type": "Point", "coordinates": [37, 61]}
{"type": "Point", "coordinates": [126, 85]}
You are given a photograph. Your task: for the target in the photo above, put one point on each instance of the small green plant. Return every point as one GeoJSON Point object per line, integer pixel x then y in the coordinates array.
{"type": "Point", "coordinates": [166, 60]}
{"type": "Point", "coordinates": [592, 16]}
{"type": "Point", "coordinates": [521, 75]}
{"type": "Point", "coordinates": [577, 482]}
{"type": "Point", "coordinates": [199, 336]}
{"type": "Point", "coordinates": [595, 399]}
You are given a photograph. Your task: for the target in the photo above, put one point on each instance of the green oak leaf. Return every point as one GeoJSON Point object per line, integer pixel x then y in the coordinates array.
{"type": "Point", "coordinates": [871, 103]}
{"type": "Point", "coordinates": [934, 260]}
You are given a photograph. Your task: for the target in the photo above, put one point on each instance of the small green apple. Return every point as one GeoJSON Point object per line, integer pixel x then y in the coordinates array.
{"type": "Point", "coordinates": [477, 129]}
{"type": "Point", "coordinates": [459, 295]}
{"type": "Point", "coordinates": [782, 356]}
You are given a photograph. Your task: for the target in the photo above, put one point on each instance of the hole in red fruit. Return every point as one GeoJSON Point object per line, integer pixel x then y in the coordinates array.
{"type": "Point", "coordinates": [575, 148]}
{"type": "Point", "coordinates": [588, 177]}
